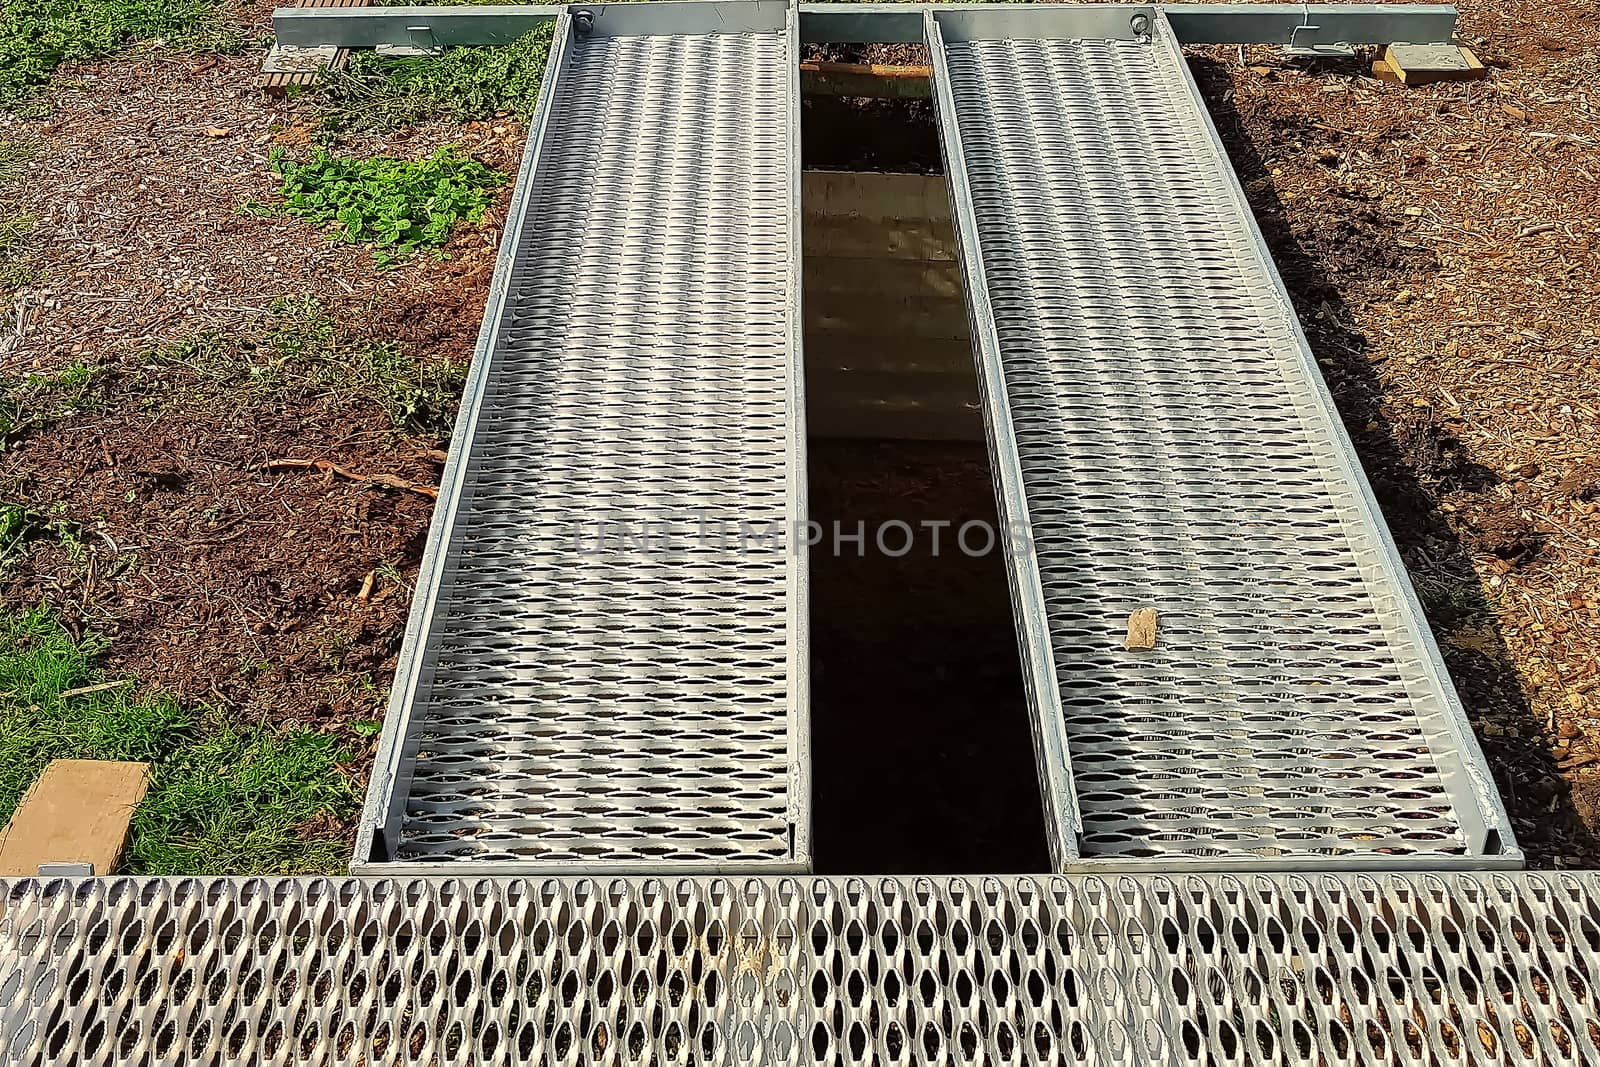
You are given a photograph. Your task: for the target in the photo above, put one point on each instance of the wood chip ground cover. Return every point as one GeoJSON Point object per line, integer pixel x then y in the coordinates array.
{"type": "Point", "coordinates": [157, 400]}
{"type": "Point", "coordinates": [1440, 244]}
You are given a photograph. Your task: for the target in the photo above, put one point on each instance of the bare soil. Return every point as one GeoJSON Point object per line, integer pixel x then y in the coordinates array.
{"type": "Point", "coordinates": [220, 579]}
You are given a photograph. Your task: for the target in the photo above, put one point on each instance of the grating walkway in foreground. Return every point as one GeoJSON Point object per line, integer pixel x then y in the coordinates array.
{"type": "Point", "coordinates": [1169, 444]}
{"type": "Point", "coordinates": [607, 671]}
{"type": "Point", "coordinates": [1322, 969]}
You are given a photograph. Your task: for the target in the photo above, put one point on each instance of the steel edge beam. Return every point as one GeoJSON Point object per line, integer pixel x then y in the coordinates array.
{"type": "Point", "coordinates": [799, 665]}
{"type": "Point", "coordinates": [1060, 797]}
{"type": "Point", "coordinates": [1307, 25]}
{"type": "Point", "coordinates": [1456, 752]}
{"type": "Point", "coordinates": [397, 747]}
{"type": "Point", "coordinates": [1303, 25]}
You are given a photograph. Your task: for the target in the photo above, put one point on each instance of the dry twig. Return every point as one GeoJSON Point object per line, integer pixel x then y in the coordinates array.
{"type": "Point", "coordinates": [393, 481]}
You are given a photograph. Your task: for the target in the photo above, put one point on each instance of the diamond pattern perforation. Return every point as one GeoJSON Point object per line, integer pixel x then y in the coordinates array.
{"type": "Point", "coordinates": [1174, 456]}
{"type": "Point", "coordinates": [607, 676]}
{"type": "Point", "coordinates": [1326, 969]}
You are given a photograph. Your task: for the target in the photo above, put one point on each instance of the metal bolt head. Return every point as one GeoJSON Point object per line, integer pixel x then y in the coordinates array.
{"type": "Point", "coordinates": [1140, 24]}
{"type": "Point", "coordinates": [583, 23]}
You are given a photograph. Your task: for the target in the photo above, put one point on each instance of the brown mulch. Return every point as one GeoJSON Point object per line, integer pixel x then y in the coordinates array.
{"type": "Point", "coordinates": [244, 586]}
{"type": "Point", "coordinates": [221, 574]}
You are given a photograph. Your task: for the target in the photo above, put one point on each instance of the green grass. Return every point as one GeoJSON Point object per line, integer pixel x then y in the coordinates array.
{"type": "Point", "coordinates": [16, 225]}
{"type": "Point", "coordinates": [397, 206]}
{"type": "Point", "coordinates": [37, 36]}
{"type": "Point", "coordinates": [461, 84]}
{"type": "Point", "coordinates": [36, 400]}
{"type": "Point", "coordinates": [225, 797]}
{"type": "Point", "coordinates": [300, 352]}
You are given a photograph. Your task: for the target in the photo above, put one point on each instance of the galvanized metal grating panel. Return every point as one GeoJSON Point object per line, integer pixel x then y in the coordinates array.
{"type": "Point", "coordinates": [1322, 969]}
{"type": "Point", "coordinates": [611, 673]}
{"type": "Point", "coordinates": [1175, 452]}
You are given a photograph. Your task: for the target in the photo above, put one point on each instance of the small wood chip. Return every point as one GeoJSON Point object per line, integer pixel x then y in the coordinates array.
{"type": "Point", "coordinates": [366, 585]}
{"type": "Point", "coordinates": [1141, 631]}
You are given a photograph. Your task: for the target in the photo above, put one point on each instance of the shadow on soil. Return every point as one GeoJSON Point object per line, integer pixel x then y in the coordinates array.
{"type": "Point", "coordinates": [1410, 467]}
{"type": "Point", "coordinates": [923, 756]}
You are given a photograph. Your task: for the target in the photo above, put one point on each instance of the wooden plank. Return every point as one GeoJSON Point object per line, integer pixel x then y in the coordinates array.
{"type": "Point", "coordinates": [872, 80]}
{"type": "Point", "coordinates": [77, 812]}
{"type": "Point", "coordinates": [1414, 64]}
{"type": "Point", "coordinates": [279, 70]}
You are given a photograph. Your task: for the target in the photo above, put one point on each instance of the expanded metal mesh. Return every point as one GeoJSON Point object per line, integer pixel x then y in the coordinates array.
{"type": "Point", "coordinates": [1129, 970]}
{"type": "Point", "coordinates": [608, 675]}
{"type": "Point", "coordinates": [1176, 453]}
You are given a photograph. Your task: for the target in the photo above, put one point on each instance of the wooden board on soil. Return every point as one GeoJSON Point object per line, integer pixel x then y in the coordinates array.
{"type": "Point", "coordinates": [77, 812]}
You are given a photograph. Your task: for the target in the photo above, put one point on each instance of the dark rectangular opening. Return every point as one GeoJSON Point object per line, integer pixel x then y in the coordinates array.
{"type": "Point", "coordinates": [922, 755]}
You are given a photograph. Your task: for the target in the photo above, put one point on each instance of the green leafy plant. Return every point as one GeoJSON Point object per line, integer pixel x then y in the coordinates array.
{"type": "Point", "coordinates": [37, 36]}
{"type": "Point", "coordinates": [16, 522]}
{"type": "Point", "coordinates": [393, 204]}
{"type": "Point", "coordinates": [462, 84]}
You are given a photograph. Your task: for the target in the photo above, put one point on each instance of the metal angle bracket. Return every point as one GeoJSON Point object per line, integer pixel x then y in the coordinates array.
{"type": "Point", "coordinates": [1320, 51]}
{"type": "Point", "coordinates": [1304, 43]}
{"type": "Point", "coordinates": [1317, 51]}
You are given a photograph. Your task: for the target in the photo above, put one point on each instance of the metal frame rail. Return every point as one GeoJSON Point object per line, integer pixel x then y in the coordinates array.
{"type": "Point", "coordinates": [1300, 25]}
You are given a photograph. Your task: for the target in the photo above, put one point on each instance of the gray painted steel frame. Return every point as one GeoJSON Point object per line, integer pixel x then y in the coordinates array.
{"type": "Point", "coordinates": [1480, 833]}
{"type": "Point", "coordinates": [1304, 25]}
{"type": "Point", "coordinates": [394, 778]}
